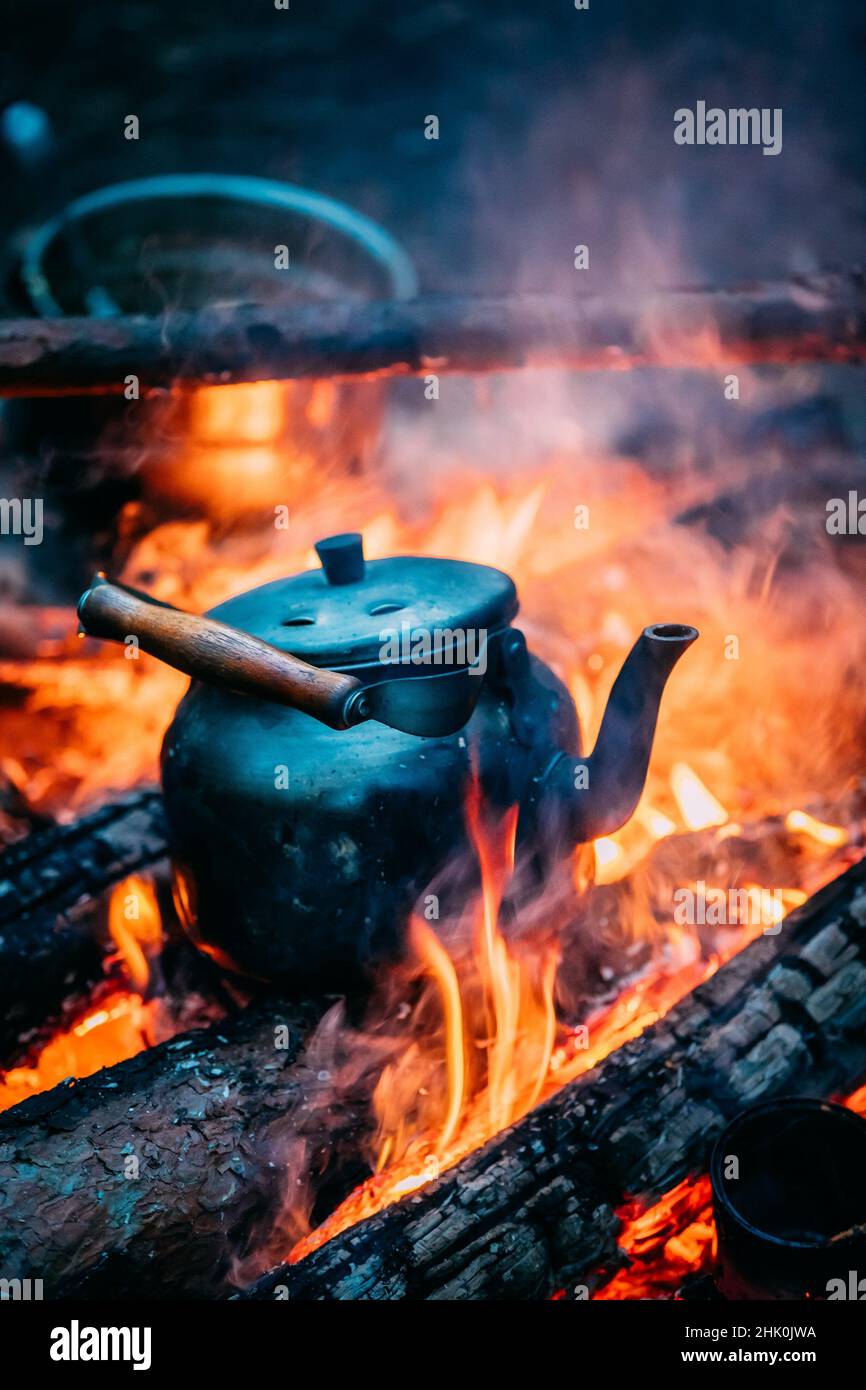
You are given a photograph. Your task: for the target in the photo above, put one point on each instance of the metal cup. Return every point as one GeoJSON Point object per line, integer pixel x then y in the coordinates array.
{"type": "Point", "coordinates": [789, 1193]}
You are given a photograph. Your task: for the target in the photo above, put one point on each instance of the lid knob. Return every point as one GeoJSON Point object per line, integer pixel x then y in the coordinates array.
{"type": "Point", "coordinates": [342, 557]}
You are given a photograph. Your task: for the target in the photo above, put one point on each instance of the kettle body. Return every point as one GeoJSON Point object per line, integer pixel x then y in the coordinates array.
{"type": "Point", "coordinates": [299, 851]}
{"type": "Point", "coordinates": [316, 772]}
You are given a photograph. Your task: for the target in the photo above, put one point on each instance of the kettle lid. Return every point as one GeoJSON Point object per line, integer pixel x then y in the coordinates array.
{"type": "Point", "coordinates": [341, 614]}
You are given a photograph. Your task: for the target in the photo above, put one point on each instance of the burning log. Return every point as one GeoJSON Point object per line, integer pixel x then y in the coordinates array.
{"type": "Point", "coordinates": [817, 319]}
{"type": "Point", "coordinates": [534, 1210]}
{"type": "Point", "coordinates": [149, 1177]}
{"type": "Point", "coordinates": [212, 1119]}
{"type": "Point", "coordinates": [52, 939]}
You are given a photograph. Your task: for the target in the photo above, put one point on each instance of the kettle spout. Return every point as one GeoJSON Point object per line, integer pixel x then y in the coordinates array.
{"type": "Point", "coordinates": [604, 789]}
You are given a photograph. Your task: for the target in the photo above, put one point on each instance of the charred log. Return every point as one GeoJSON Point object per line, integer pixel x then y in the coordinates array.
{"type": "Point", "coordinates": [534, 1210]}
{"type": "Point", "coordinates": [150, 1178]}
{"type": "Point", "coordinates": [212, 1118]}
{"type": "Point", "coordinates": [817, 319]}
{"type": "Point", "coordinates": [52, 940]}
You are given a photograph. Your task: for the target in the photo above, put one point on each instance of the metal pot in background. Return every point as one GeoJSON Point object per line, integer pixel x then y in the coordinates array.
{"type": "Point", "coordinates": [182, 242]}
{"type": "Point", "coordinates": [794, 1217]}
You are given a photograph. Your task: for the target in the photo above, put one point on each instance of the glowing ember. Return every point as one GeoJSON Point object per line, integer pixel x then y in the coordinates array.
{"type": "Point", "coordinates": [857, 1101]}
{"type": "Point", "coordinates": [665, 1243]}
{"type": "Point", "coordinates": [802, 823]}
{"type": "Point", "coordinates": [121, 1027]}
{"type": "Point", "coordinates": [122, 1023]}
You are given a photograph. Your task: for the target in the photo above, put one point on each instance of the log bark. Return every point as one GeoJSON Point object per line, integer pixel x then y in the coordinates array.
{"type": "Point", "coordinates": [52, 927]}
{"type": "Point", "coordinates": [810, 319]}
{"type": "Point", "coordinates": [534, 1211]}
{"type": "Point", "coordinates": [209, 1118]}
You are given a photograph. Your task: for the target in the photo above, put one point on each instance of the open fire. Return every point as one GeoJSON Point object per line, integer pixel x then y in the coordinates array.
{"type": "Point", "coordinates": [754, 799]}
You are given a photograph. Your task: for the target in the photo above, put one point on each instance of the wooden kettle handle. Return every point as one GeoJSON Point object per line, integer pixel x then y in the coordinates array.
{"type": "Point", "coordinates": [217, 654]}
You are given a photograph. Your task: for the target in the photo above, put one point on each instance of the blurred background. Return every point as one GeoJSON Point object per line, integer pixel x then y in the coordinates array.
{"type": "Point", "coordinates": [555, 125]}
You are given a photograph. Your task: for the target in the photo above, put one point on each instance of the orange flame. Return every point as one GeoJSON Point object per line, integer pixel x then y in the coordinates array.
{"type": "Point", "coordinates": [486, 1064]}
{"type": "Point", "coordinates": [135, 926]}
{"type": "Point", "coordinates": [500, 1001]}
{"type": "Point", "coordinates": [698, 807]}
{"type": "Point", "coordinates": [433, 956]}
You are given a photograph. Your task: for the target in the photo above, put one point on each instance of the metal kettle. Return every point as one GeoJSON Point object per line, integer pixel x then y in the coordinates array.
{"type": "Point", "coordinates": [304, 822]}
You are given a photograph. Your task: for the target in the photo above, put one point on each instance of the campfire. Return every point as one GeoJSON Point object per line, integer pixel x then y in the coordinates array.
{"type": "Point", "coordinates": [346, 1124]}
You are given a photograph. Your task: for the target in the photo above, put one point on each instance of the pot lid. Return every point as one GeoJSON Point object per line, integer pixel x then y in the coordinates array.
{"type": "Point", "coordinates": [344, 613]}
